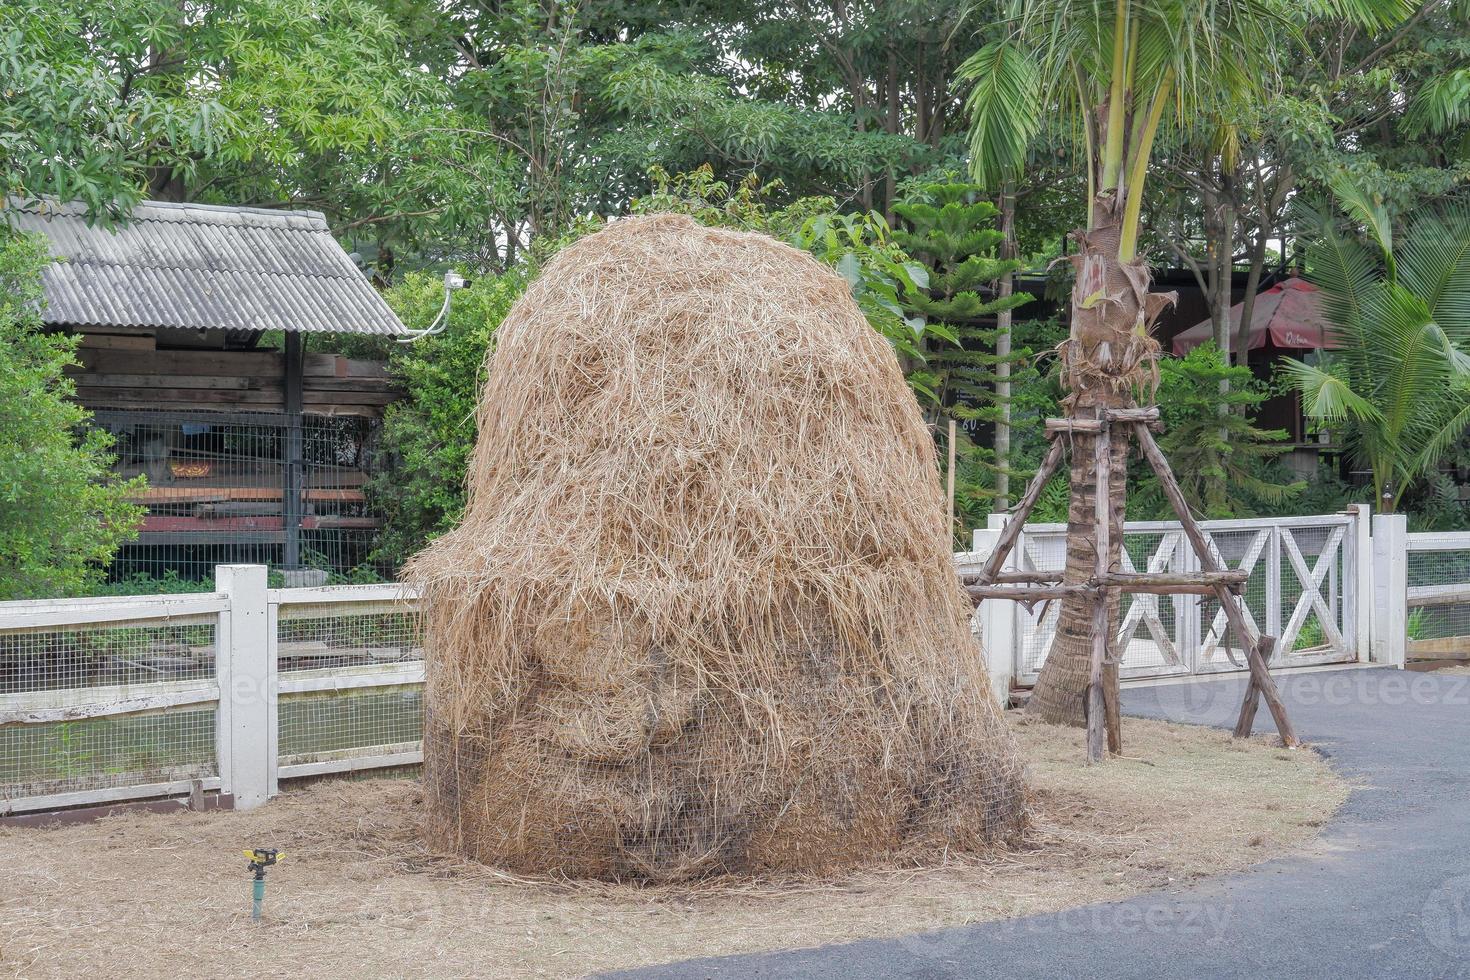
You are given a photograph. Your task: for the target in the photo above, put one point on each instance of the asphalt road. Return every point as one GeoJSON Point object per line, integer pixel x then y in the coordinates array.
{"type": "Point", "coordinates": [1386, 895]}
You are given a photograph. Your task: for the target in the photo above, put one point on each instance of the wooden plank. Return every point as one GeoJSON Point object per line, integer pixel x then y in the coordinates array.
{"type": "Point", "coordinates": [213, 495]}
{"type": "Point", "coordinates": [63, 698]}
{"type": "Point", "coordinates": [333, 594]}
{"type": "Point", "coordinates": [351, 764]}
{"type": "Point", "coordinates": [206, 363]}
{"type": "Point", "coordinates": [178, 610]}
{"type": "Point", "coordinates": [1439, 595]}
{"type": "Point", "coordinates": [92, 379]}
{"type": "Point", "coordinates": [116, 341]}
{"type": "Point", "coordinates": [365, 677]}
{"type": "Point", "coordinates": [107, 709]}
{"type": "Point", "coordinates": [110, 794]}
{"type": "Point", "coordinates": [1440, 648]}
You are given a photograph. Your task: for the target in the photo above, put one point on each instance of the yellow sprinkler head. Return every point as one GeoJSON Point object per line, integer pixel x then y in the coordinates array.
{"type": "Point", "coordinates": [261, 858]}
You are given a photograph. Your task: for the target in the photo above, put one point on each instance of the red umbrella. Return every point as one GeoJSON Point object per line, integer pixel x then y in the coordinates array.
{"type": "Point", "coordinates": [1289, 314]}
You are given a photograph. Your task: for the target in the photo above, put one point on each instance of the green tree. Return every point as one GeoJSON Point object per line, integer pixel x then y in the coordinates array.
{"type": "Point", "coordinates": [418, 484]}
{"type": "Point", "coordinates": [63, 512]}
{"type": "Point", "coordinates": [1219, 456]}
{"type": "Point", "coordinates": [950, 229]}
{"type": "Point", "coordinates": [1400, 380]}
{"type": "Point", "coordinates": [1119, 71]}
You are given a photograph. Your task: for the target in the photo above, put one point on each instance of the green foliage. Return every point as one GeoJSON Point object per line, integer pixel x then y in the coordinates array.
{"type": "Point", "coordinates": [1400, 383]}
{"type": "Point", "coordinates": [861, 247]}
{"type": "Point", "coordinates": [252, 98]}
{"type": "Point", "coordinates": [1220, 458]}
{"type": "Point", "coordinates": [63, 513]}
{"type": "Point", "coordinates": [950, 229]}
{"type": "Point", "coordinates": [419, 480]}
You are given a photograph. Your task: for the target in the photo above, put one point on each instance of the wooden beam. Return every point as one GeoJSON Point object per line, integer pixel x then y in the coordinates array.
{"type": "Point", "coordinates": [1096, 708]}
{"type": "Point", "coordinates": [1157, 583]}
{"type": "Point", "coordinates": [1026, 593]}
{"type": "Point", "coordinates": [1228, 602]}
{"type": "Point", "coordinates": [1247, 719]}
{"type": "Point", "coordinates": [1085, 426]}
{"type": "Point", "coordinates": [1013, 527]}
{"type": "Point", "coordinates": [1150, 414]}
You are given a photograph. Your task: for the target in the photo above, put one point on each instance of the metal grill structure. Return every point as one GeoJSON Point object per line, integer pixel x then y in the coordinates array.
{"type": "Point", "coordinates": [215, 496]}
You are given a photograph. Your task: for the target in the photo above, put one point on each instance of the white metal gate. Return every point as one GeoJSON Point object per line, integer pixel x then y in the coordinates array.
{"type": "Point", "coordinates": [1306, 579]}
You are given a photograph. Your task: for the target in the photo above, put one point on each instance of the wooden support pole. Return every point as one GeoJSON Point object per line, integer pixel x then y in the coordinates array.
{"type": "Point", "coordinates": [1247, 718]}
{"type": "Point", "coordinates": [1095, 709]}
{"type": "Point", "coordinates": [1150, 414]}
{"type": "Point", "coordinates": [950, 475]}
{"type": "Point", "coordinates": [1023, 510]}
{"type": "Point", "coordinates": [1229, 603]}
{"type": "Point", "coordinates": [1173, 584]}
{"type": "Point", "coordinates": [1087, 426]}
{"type": "Point", "coordinates": [1013, 578]}
{"type": "Point", "coordinates": [291, 465]}
{"type": "Point", "coordinates": [1026, 593]}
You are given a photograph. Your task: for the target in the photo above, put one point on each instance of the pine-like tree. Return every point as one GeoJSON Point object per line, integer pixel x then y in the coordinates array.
{"type": "Point", "coordinates": [950, 228]}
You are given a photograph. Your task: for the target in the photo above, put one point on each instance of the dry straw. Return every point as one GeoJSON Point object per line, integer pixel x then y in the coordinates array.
{"type": "Point", "coordinates": [700, 615]}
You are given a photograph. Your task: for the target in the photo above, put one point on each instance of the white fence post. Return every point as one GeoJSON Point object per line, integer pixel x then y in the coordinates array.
{"type": "Point", "coordinates": [998, 616]}
{"type": "Point", "coordinates": [1358, 584]}
{"type": "Point", "coordinates": [246, 672]}
{"type": "Point", "coordinates": [1390, 589]}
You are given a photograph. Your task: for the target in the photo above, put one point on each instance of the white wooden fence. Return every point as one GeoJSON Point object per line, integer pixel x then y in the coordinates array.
{"type": "Point", "coordinates": [1312, 586]}
{"type": "Point", "coordinates": [103, 700]}
{"type": "Point", "coordinates": [113, 699]}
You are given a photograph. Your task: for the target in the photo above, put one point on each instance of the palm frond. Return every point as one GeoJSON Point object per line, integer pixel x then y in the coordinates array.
{"type": "Point", "coordinates": [1327, 396]}
{"type": "Point", "coordinates": [1004, 105]}
{"type": "Point", "coordinates": [1434, 262]}
{"type": "Point", "coordinates": [1367, 208]}
{"type": "Point", "coordinates": [1441, 104]}
{"type": "Point", "coordinates": [1346, 272]}
{"type": "Point", "coordinates": [1371, 15]}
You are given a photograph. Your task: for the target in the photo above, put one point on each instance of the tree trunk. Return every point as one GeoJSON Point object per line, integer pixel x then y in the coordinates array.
{"type": "Point", "coordinates": [1003, 354]}
{"type": "Point", "coordinates": [1061, 690]}
{"type": "Point", "coordinates": [1109, 356]}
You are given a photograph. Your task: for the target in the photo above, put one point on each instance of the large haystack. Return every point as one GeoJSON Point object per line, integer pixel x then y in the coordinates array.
{"type": "Point", "coordinates": [700, 615]}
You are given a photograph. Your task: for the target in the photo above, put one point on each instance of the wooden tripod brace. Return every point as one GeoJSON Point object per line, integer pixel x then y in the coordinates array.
{"type": "Point", "coordinates": [1215, 579]}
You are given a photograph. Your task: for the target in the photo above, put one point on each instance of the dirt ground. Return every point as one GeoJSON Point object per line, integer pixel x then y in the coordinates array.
{"type": "Point", "coordinates": [357, 895]}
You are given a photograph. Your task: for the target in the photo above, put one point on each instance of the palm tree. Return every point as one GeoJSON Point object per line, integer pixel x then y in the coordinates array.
{"type": "Point", "coordinates": [1401, 377]}
{"type": "Point", "coordinates": [1119, 70]}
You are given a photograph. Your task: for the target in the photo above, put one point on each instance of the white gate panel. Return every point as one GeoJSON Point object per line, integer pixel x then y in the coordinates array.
{"type": "Point", "coordinates": [1301, 589]}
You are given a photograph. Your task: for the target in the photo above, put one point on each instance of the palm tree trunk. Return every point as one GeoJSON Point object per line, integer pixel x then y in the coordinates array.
{"type": "Point", "coordinates": [1109, 356]}
{"type": "Point", "coordinates": [1061, 690]}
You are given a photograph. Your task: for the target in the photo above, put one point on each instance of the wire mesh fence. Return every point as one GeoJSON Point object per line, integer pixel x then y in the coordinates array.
{"type": "Point", "coordinates": [1438, 614]}
{"type": "Point", "coordinates": [217, 493]}
{"type": "Point", "coordinates": [352, 722]}
{"type": "Point", "coordinates": [79, 664]}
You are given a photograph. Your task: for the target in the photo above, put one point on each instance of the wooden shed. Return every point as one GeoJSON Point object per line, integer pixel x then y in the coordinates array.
{"type": "Point", "coordinates": [192, 319]}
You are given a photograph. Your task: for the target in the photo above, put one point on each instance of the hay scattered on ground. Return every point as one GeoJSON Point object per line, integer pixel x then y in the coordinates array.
{"type": "Point", "coordinates": [358, 896]}
{"type": "Point", "coordinates": [700, 615]}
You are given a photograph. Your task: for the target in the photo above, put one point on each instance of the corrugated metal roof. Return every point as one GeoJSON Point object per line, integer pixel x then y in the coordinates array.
{"type": "Point", "coordinates": [202, 266]}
